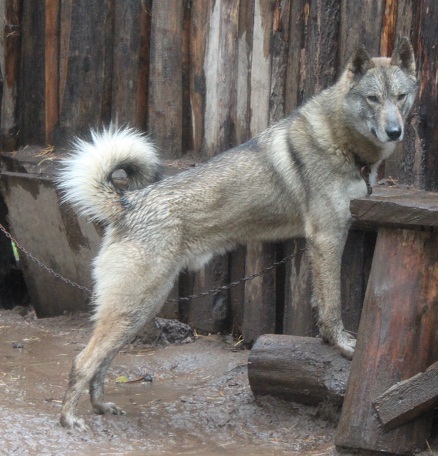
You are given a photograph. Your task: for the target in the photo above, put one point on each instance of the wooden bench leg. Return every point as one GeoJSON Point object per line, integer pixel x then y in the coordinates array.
{"type": "Point", "coordinates": [396, 340]}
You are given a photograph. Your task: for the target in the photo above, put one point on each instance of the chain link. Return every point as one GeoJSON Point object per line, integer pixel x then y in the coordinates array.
{"type": "Point", "coordinates": [210, 292]}
{"type": "Point", "coordinates": [41, 264]}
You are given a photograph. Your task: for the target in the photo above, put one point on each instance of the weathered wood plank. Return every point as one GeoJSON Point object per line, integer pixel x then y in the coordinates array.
{"type": "Point", "coordinates": [396, 339]}
{"type": "Point", "coordinates": [200, 13]}
{"type": "Point", "coordinates": [408, 399]}
{"type": "Point", "coordinates": [299, 369]}
{"type": "Point", "coordinates": [86, 69]}
{"type": "Point", "coordinates": [260, 293]}
{"type": "Point", "coordinates": [299, 317]}
{"type": "Point", "coordinates": [31, 93]}
{"type": "Point", "coordinates": [355, 270]}
{"type": "Point", "coordinates": [10, 43]}
{"type": "Point", "coordinates": [127, 62]}
{"type": "Point", "coordinates": [221, 76]}
{"type": "Point", "coordinates": [165, 83]}
{"type": "Point", "coordinates": [51, 67]}
{"type": "Point", "coordinates": [360, 24]}
{"type": "Point", "coordinates": [397, 206]}
{"type": "Point", "coordinates": [426, 52]}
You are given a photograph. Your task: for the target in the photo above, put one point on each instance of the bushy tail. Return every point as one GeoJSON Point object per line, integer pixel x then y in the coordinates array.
{"type": "Point", "coordinates": [86, 177]}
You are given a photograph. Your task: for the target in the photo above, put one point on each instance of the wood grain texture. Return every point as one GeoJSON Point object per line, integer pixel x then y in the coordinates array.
{"type": "Point", "coordinates": [10, 41]}
{"type": "Point", "coordinates": [397, 206]}
{"type": "Point", "coordinates": [299, 369]}
{"type": "Point", "coordinates": [396, 339]}
{"type": "Point", "coordinates": [86, 68]}
{"type": "Point", "coordinates": [408, 399]}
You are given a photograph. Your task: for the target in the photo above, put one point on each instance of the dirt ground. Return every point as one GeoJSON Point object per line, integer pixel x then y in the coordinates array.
{"type": "Point", "coordinates": [198, 403]}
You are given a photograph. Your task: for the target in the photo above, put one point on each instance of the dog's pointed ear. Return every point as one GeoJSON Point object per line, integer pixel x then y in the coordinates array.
{"type": "Point", "coordinates": [360, 62]}
{"type": "Point", "coordinates": [403, 55]}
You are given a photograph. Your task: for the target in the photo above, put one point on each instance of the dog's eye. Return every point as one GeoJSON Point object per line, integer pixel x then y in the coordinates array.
{"type": "Point", "coordinates": [372, 99]}
{"type": "Point", "coordinates": [401, 97]}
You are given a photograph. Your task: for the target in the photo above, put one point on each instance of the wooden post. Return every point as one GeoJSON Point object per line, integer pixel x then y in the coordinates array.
{"type": "Point", "coordinates": [300, 369]}
{"type": "Point", "coordinates": [396, 339]}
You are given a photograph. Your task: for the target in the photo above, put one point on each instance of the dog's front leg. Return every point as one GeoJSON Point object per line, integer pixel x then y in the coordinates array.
{"type": "Point", "coordinates": [326, 254]}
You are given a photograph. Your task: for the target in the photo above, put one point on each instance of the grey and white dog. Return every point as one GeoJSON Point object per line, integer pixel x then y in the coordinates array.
{"type": "Point", "coordinates": [297, 178]}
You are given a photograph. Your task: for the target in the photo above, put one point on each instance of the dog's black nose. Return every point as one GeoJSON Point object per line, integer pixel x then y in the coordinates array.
{"type": "Point", "coordinates": [393, 132]}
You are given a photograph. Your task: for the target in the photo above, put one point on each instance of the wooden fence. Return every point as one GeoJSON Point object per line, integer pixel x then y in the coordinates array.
{"type": "Point", "coordinates": [202, 76]}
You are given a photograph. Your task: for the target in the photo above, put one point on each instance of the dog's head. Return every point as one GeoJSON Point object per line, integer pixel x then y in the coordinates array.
{"type": "Point", "coordinates": [380, 92]}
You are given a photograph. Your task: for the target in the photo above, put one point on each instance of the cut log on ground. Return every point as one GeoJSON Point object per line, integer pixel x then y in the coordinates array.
{"type": "Point", "coordinates": [299, 369]}
{"type": "Point", "coordinates": [408, 399]}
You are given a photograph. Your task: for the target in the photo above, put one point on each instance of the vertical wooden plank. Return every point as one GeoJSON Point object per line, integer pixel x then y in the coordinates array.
{"type": "Point", "coordinates": [300, 319]}
{"type": "Point", "coordinates": [51, 66]}
{"type": "Point", "coordinates": [31, 94]}
{"type": "Point", "coordinates": [397, 340]}
{"type": "Point", "coordinates": [64, 46]}
{"type": "Point", "coordinates": [200, 14]}
{"type": "Point", "coordinates": [212, 313]}
{"type": "Point", "coordinates": [260, 293]}
{"type": "Point", "coordinates": [361, 23]}
{"type": "Point", "coordinates": [279, 55]}
{"type": "Point", "coordinates": [244, 55]}
{"type": "Point", "coordinates": [165, 83]}
{"type": "Point", "coordinates": [415, 161]}
{"type": "Point", "coordinates": [298, 313]}
{"type": "Point", "coordinates": [85, 67]}
{"type": "Point", "coordinates": [397, 21]}
{"type": "Point", "coordinates": [221, 76]}
{"type": "Point", "coordinates": [315, 25]}
{"type": "Point", "coordinates": [356, 265]}
{"type": "Point", "coordinates": [387, 36]}
{"type": "Point", "coordinates": [10, 52]}
{"type": "Point", "coordinates": [141, 116]}
{"type": "Point", "coordinates": [127, 48]}
{"type": "Point", "coordinates": [425, 39]}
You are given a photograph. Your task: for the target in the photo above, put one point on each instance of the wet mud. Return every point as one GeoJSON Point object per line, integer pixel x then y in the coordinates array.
{"type": "Point", "coordinates": [198, 403]}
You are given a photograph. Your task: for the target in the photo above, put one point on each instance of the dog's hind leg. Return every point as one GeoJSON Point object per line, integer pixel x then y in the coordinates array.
{"type": "Point", "coordinates": [128, 297]}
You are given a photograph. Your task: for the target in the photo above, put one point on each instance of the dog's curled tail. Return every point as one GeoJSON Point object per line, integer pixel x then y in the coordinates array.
{"type": "Point", "coordinates": [86, 176]}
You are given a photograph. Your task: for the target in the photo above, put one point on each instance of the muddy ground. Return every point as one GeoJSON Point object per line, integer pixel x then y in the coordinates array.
{"type": "Point", "coordinates": [198, 403]}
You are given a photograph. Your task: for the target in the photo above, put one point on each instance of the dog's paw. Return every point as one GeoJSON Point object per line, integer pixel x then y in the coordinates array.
{"type": "Point", "coordinates": [108, 407]}
{"type": "Point", "coordinates": [71, 422]}
{"type": "Point", "coordinates": [346, 344]}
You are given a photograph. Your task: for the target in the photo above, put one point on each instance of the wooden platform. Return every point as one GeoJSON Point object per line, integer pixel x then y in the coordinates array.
{"type": "Point", "coordinates": [397, 334]}
{"type": "Point", "coordinates": [394, 206]}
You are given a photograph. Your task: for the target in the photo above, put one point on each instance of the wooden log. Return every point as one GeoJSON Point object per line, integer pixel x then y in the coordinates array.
{"type": "Point", "coordinates": [396, 339]}
{"type": "Point", "coordinates": [299, 369]}
{"type": "Point", "coordinates": [408, 399]}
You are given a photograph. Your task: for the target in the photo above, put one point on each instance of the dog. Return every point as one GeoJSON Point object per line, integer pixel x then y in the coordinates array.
{"type": "Point", "coordinates": [296, 179]}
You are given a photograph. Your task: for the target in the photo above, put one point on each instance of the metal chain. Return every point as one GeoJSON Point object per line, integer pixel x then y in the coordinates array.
{"type": "Point", "coordinates": [41, 264]}
{"type": "Point", "coordinates": [239, 282]}
{"type": "Point", "coordinates": [185, 298]}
